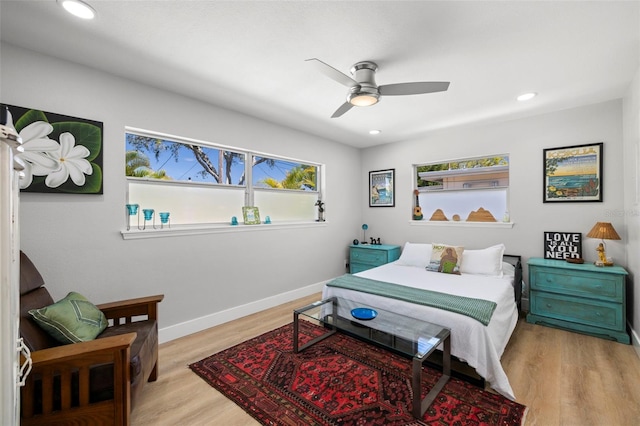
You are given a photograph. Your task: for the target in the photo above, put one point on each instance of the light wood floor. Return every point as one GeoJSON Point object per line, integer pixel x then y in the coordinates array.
{"type": "Point", "coordinates": [563, 378]}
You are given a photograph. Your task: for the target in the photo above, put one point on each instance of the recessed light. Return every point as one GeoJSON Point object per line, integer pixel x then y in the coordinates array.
{"type": "Point", "coordinates": [78, 8]}
{"type": "Point", "coordinates": [375, 132]}
{"type": "Point", "coordinates": [526, 96]}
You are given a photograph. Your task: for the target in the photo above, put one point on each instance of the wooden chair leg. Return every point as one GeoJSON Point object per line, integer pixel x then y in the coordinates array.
{"type": "Point", "coordinates": [154, 373]}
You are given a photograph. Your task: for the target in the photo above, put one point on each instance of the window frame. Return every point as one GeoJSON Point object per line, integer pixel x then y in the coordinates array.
{"type": "Point", "coordinates": [248, 188]}
{"type": "Point", "coordinates": [465, 187]}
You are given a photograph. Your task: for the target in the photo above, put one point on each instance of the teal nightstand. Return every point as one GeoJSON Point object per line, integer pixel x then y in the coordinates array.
{"type": "Point", "coordinates": [579, 297]}
{"type": "Point", "coordinates": [367, 256]}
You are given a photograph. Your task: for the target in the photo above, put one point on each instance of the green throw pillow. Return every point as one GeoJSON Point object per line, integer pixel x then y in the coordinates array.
{"type": "Point", "coordinates": [71, 320]}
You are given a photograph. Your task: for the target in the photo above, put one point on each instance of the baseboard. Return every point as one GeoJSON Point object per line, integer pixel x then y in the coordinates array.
{"type": "Point", "coordinates": [176, 331]}
{"type": "Point", "coordinates": [635, 341]}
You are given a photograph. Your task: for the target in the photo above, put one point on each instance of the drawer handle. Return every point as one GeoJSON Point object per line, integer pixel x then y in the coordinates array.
{"type": "Point", "coordinates": [598, 314]}
{"type": "Point", "coordinates": [548, 305]}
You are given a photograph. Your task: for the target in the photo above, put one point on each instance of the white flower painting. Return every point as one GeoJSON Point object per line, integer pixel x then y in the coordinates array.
{"type": "Point", "coordinates": [61, 154]}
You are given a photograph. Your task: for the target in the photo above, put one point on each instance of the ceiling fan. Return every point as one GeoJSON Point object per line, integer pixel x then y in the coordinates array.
{"type": "Point", "coordinates": [363, 90]}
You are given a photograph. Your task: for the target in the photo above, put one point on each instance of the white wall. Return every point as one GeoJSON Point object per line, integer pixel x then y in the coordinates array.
{"type": "Point", "coordinates": [75, 239]}
{"type": "Point", "coordinates": [523, 139]}
{"type": "Point", "coordinates": [631, 212]}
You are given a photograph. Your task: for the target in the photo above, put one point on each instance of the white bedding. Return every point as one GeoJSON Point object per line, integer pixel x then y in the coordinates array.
{"type": "Point", "coordinates": [480, 346]}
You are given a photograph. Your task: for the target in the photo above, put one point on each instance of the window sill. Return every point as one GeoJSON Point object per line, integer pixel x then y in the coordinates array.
{"type": "Point", "coordinates": [200, 229]}
{"type": "Point", "coordinates": [462, 224]}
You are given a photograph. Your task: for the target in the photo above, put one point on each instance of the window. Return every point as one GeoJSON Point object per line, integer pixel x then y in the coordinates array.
{"type": "Point", "coordinates": [200, 182]}
{"type": "Point", "coordinates": [464, 190]}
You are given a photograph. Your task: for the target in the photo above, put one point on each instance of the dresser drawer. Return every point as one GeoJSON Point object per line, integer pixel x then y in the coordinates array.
{"type": "Point", "coordinates": [608, 287]}
{"type": "Point", "coordinates": [359, 267]}
{"type": "Point", "coordinates": [371, 257]}
{"type": "Point", "coordinates": [578, 310]}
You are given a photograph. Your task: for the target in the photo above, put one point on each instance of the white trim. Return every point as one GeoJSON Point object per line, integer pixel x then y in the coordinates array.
{"type": "Point", "coordinates": [198, 324]}
{"type": "Point", "coordinates": [462, 224]}
{"type": "Point", "coordinates": [635, 340]}
{"type": "Point", "coordinates": [200, 229]}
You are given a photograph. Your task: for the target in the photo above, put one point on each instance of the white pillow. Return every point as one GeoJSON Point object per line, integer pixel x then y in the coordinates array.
{"type": "Point", "coordinates": [483, 262]}
{"type": "Point", "coordinates": [508, 269]}
{"type": "Point", "coordinates": [415, 254]}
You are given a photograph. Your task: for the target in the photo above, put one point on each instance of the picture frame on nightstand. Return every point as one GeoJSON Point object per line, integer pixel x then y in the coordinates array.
{"type": "Point", "coordinates": [562, 245]}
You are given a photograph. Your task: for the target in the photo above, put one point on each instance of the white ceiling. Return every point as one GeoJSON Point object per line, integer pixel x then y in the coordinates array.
{"type": "Point", "coordinates": [250, 56]}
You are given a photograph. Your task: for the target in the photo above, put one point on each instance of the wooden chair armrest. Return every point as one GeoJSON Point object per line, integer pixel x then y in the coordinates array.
{"type": "Point", "coordinates": [130, 308]}
{"type": "Point", "coordinates": [69, 366]}
{"type": "Point", "coordinates": [67, 353]}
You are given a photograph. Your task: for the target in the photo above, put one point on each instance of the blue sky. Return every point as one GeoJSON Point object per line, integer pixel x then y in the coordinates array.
{"type": "Point", "coordinates": [187, 167]}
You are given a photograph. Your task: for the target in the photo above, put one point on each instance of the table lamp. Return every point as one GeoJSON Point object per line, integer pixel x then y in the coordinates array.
{"type": "Point", "coordinates": [604, 231]}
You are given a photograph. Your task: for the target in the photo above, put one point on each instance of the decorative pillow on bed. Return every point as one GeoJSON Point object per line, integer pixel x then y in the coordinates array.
{"type": "Point", "coordinates": [71, 320]}
{"type": "Point", "coordinates": [483, 262]}
{"type": "Point", "coordinates": [415, 254]}
{"type": "Point", "coordinates": [445, 259]}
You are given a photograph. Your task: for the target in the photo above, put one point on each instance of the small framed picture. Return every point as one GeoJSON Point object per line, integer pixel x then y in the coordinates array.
{"type": "Point", "coordinates": [562, 245]}
{"type": "Point", "coordinates": [251, 215]}
{"type": "Point", "coordinates": [382, 188]}
{"type": "Point", "coordinates": [573, 173]}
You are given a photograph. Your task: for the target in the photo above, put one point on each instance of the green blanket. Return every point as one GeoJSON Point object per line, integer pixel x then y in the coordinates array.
{"type": "Point", "coordinates": [478, 309]}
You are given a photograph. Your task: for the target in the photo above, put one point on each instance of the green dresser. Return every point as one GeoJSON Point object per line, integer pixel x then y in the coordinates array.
{"type": "Point", "coordinates": [578, 297]}
{"type": "Point", "coordinates": [367, 256]}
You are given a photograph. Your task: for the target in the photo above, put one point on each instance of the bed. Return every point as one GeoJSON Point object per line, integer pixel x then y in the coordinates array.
{"type": "Point", "coordinates": [482, 275]}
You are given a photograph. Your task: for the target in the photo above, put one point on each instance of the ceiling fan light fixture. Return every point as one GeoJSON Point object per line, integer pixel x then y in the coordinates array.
{"type": "Point", "coordinates": [363, 99]}
{"type": "Point", "coordinates": [78, 8]}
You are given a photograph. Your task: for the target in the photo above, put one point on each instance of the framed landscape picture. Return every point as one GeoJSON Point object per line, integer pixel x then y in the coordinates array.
{"type": "Point", "coordinates": [573, 173]}
{"type": "Point", "coordinates": [382, 188]}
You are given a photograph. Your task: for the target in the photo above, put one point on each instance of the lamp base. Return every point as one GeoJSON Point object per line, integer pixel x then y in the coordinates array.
{"type": "Point", "coordinates": [598, 263]}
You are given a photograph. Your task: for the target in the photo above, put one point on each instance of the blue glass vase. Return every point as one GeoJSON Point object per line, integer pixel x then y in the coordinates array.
{"type": "Point", "coordinates": [131, 210]}
{"type": "Point", "coordinates": [148, 215]}
{"type": "Point", "coordinates": [164, 219]}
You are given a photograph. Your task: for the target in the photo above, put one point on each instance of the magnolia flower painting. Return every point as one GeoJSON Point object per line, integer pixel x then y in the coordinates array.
{"type": "Point", "coordinates": [61, 154]}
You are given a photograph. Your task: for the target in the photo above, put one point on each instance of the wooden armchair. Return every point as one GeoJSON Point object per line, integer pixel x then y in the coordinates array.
{"type": "Point", "coordinates": [94, 382]}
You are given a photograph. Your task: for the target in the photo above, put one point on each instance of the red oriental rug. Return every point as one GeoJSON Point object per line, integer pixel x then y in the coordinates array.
{"type": "Point", "coordinates": [341, 381]}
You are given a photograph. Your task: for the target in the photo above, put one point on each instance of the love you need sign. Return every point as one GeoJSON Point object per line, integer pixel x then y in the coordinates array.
{"type": "Point", "coordinates": [562, 245]}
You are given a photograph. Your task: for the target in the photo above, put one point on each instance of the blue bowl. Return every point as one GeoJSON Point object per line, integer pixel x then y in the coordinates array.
{"type": "Point", "coordinates": [364, 314]}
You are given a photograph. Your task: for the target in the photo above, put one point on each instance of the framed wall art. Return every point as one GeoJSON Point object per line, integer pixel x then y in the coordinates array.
{"type": "Point", "coordinates": [382, 188]}
{"type": "Point", "coordinates": [251, 215]}
{"type": "Point", "coordinates": [562, 245]}
{"type": "Point", "coordinates": [573, 173]}
{"type": "Point", "coordinates": [62, 154]}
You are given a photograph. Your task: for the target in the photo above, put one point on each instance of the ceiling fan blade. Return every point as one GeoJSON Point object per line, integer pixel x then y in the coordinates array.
{"type": "Point", "coordinates": [416, 88]}
{"type": "Point", "coordinates": [343, 108]}
{"type": "Point", "coordinates": [332, 73]}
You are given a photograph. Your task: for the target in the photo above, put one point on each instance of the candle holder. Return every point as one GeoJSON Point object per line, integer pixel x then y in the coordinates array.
{"type": "Point", "coordinates": [131, 210]}
{"type": "Point", "coordinates": [164, 219]}
{"type": "Point", "coordinates": [148, 215]}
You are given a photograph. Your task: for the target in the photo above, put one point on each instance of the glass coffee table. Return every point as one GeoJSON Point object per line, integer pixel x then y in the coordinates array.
{"type": "Point", "coordinates": [414, 338]}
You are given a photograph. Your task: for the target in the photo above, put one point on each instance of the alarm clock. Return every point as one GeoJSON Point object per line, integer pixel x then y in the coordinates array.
{"type": "Point", "coordinates": [356, 242]}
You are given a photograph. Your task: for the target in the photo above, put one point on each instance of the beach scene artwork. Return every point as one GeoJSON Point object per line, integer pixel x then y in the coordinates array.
{"type": "Point", "coordinates": [573, 173]}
